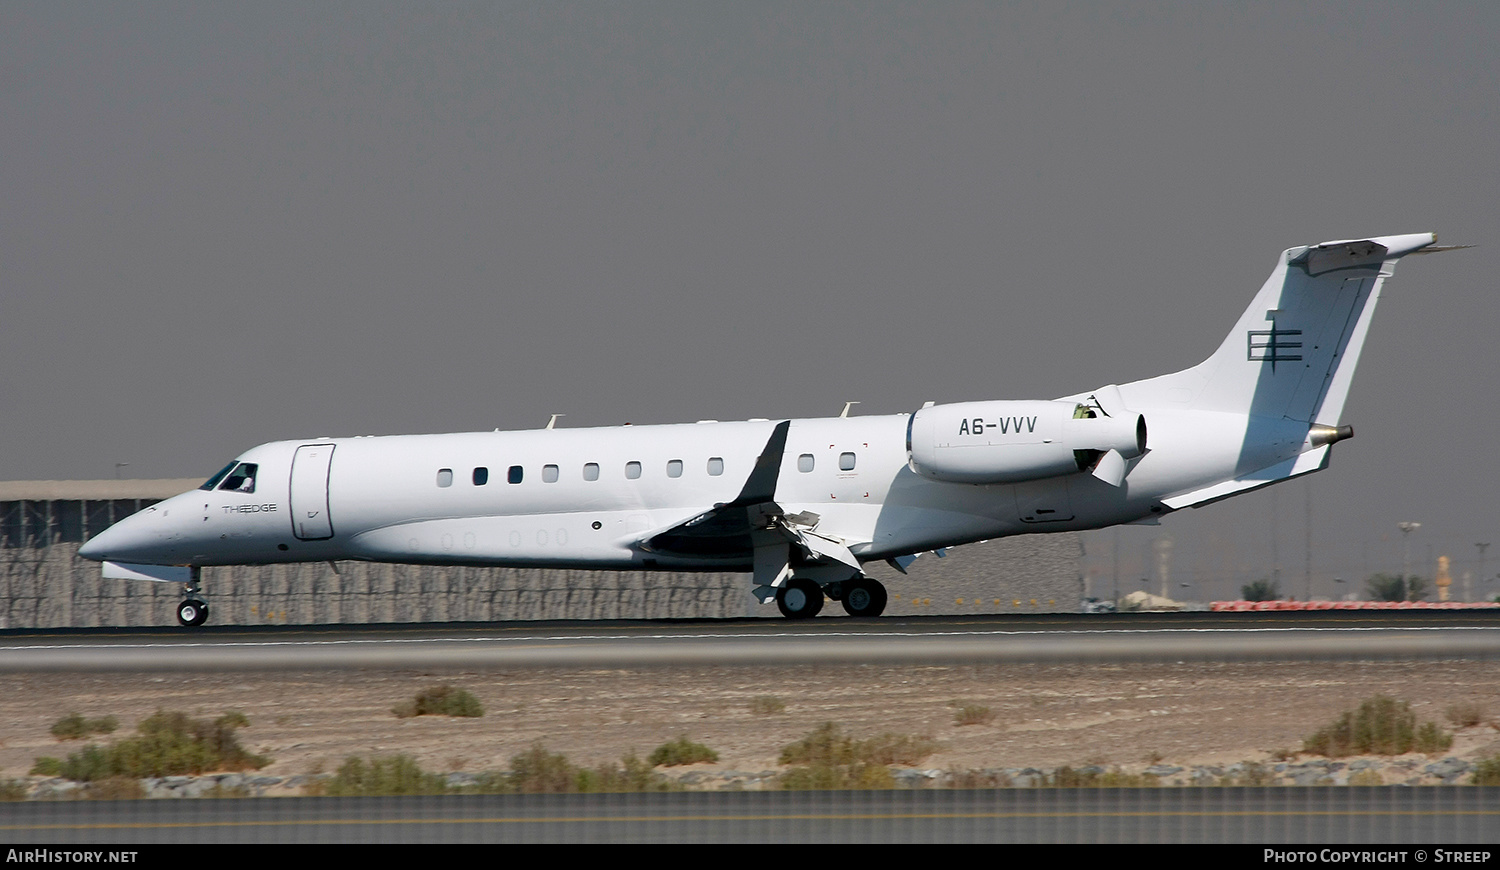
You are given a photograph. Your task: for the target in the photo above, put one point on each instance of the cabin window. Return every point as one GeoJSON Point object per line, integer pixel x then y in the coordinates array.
{"type": "Point", "coordinates": [481, 476]}
{"type": "Point", "coordinates": [241, 479]}
{"type": "Point", "coordinates": [445, 477]}
{"type": "Point", "coordinates": [846, 462]}
{"type": "Point", "coordinates": [633, 470]}
{"type": "Point", "coordinates": [716, 465]}
{"type": "Point", "coordinates": [591, 471]}
{"type": "Point", "coordinates": [549, 474]}
{"type": "Point", "coordinates": [514, 475]}
{"type": "Point", "coordinates": [805, 462]}
{"type": "Point", "coordinates": [674, 468]}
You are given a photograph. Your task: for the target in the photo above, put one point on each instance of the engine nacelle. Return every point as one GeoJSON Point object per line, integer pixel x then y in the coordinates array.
{"type": "Point", "coordinates": [1010, 442]}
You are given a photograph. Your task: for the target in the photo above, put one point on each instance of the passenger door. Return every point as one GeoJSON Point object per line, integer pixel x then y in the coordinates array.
{"type": "Point", "coordinates": [309, 497]}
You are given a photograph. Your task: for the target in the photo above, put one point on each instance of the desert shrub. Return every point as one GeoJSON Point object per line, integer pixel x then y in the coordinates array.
{"type": "Point", "coordinates": [537, 771]}
{"type": "Point", "coordinates": [440, 701]}
{"type": "Point", "coordinates": [681, 751]}
{"type": "Point", "coordinates": [630, 775]}
{"type": "Point", "coordinates": [166, 744]}
{"type": "Point", "coordinates": [1367, 777]}
{"type": "Point", "coordinates": [828, 758]}
{"type": "Point", "coordinates": [74, 727]}
{"type": "Point", "coordinates": [46, 765]}
{"type": "Point", "coordinates": [979, 779]}
{"type": "Point", "coordinates": [856, 776]}
{"type": "Point", "coordinates": [1396, 587]}
{"type": "Point", "coordinates": [114, 788]}
{"type": "Point", "coordinates": [825, 745]}
{"type": "Point", "coordinates": [973, 714]}
{"type": "Point", "coordinates": [1252, 774]}
{"type": "Point", "coordinates": [903, 749]}
{"type": "Point", "coordinates": [1381, 726]}
{"type": "Point", "coordinates": [393, 775]}
{"type": "Point", "coordinates": [1487, 771]}
{"type": "Point", "coordinates": [1260, 590]}
{"type": "Point", "coordinates": [1068, 777]}
{"type": "Point", "coordinates": [1465, 715]}
{"type": "Point", "coordinates": [14, 789]}
{"type": "Point", "coordinates": [1431, 739]}
{"type": "Point", "coordinates": [767, 705]}
{"type": "Point", "coordinates": [219, 790]}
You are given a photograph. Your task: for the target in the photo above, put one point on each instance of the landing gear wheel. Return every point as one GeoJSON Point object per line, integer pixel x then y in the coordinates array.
{"type": "Point", "coordinates": [864, 597]}
{"type": "Point", "coordinates": [192, 613]}
{"type": "Point", "coordinates": [799, 599]}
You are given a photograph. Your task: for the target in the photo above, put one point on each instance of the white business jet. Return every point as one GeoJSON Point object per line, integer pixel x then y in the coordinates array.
{"type": "Point", "coordinates": [801, 505]}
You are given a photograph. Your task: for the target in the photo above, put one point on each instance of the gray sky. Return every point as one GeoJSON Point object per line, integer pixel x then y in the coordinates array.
{"type": "Point", "coordinates": [224, 224]}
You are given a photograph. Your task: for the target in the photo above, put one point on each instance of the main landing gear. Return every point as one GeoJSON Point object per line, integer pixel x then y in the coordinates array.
{"type": "Point", "coordinates": [864, 597]}
{"type": "Point", "coordinates": [192, 612]}
{"type": "Point", "coordinates": [801, 598]}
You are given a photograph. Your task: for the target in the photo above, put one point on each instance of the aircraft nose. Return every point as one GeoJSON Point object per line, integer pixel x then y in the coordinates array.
{"type": "Point", "coordinates": [94, 548]}
{"type": "Point", "coordinates": [111, 541]}
{"type": "Point", "coordinates": [128, 539]}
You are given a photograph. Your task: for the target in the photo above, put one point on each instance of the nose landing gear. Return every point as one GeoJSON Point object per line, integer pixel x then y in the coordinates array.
{"type": "Point", "coordinates": [192, 612]}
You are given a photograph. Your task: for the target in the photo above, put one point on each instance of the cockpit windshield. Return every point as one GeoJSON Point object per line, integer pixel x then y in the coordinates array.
{"type": "Point", "coordinates": [218, 476]}
{"type": "Point", "coordinates": [241, 479]}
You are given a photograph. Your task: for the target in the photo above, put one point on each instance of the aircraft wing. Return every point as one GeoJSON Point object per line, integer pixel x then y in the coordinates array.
{"type": "Point", "coordinates": [726, 529]}
{"type": "Point", "coordinates": [753, 520]}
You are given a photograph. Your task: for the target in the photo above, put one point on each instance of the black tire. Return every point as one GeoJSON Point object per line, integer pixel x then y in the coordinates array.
{"type": "Point", "coordinates": [799, 599]}
{"type": "Point", "coordinates": [192, 613]}
{"type": "Point", "coordinates": [864, 597]}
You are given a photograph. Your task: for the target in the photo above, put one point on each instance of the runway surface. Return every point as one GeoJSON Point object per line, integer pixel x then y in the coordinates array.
{"type": "Point", "coordinates": [1116, 637]}
{"type": "Point", "coordinates": [1447, 817]}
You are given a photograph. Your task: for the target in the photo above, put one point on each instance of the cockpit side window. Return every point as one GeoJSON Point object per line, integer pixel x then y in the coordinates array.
{"type": "Point", "coordinates": [241, 479]}
{"type": "Point", "coordinates": [214, 481]}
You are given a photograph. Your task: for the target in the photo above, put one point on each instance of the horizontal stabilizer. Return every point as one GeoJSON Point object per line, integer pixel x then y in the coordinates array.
{"type": "Point", "coordinates": [1306, 463]}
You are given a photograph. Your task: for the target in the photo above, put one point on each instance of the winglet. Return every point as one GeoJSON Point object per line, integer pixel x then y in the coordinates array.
{"type": "Point", "coordinates": [761, 485]}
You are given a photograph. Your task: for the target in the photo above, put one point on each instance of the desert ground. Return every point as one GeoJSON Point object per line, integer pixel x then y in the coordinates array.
{"type": "Point", "coordinates": [1130, 715]}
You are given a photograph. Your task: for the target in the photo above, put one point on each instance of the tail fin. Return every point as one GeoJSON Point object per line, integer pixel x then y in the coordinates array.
{"type": "Point", "coordinates": [1292, 354]}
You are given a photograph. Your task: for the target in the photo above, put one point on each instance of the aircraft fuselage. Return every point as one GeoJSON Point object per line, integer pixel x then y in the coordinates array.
{"type": "Point", "coordinates": [801, 504]}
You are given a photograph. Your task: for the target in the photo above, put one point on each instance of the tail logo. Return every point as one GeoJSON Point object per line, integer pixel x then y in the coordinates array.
{"type": "Point", "coordinates": [1273, 345]}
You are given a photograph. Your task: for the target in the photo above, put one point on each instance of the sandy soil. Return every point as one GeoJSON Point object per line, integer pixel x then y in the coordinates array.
{"type": "Point", "coordinates": [1127, 715]}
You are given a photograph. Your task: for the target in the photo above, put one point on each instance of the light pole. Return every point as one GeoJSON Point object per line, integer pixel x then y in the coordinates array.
{"type": "Point", "coordinates": [1406, 530]}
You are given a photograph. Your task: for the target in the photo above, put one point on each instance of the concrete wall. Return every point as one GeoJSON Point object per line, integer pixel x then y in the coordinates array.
{"type": "Point", "coordinates": [50, 587]}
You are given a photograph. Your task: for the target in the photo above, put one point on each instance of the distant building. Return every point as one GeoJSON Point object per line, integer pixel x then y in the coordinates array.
{"type": "Point", "coordinates": [44, 584]}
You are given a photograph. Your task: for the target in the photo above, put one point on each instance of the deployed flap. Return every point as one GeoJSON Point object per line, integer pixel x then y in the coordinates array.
{"type": "Point", "coordinates": [828, 548]}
